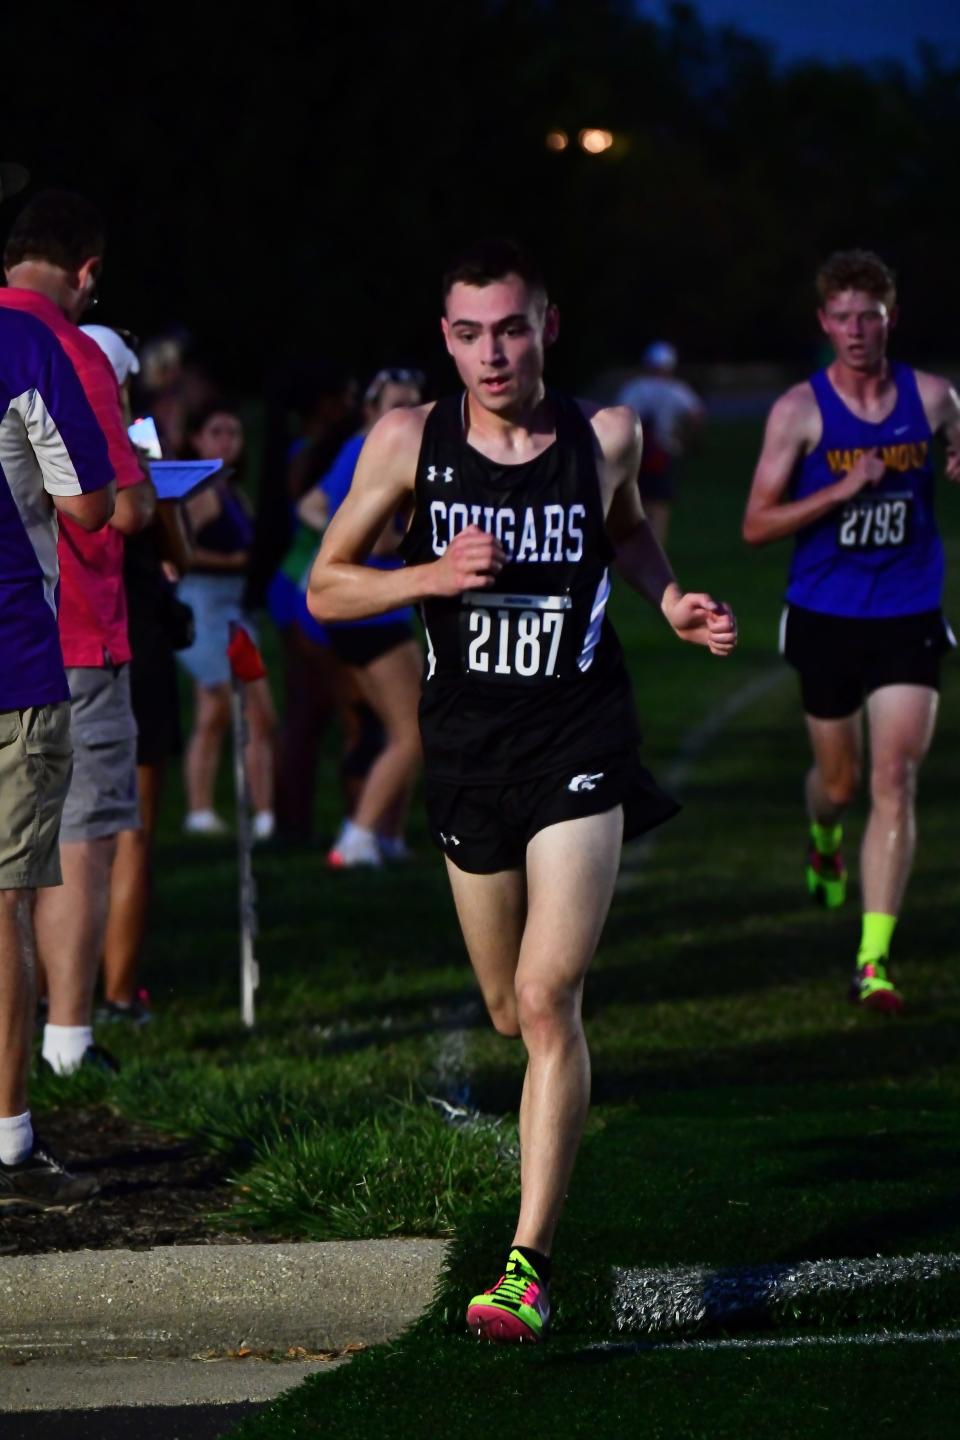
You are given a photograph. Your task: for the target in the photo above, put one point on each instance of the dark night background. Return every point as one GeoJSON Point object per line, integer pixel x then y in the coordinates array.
{"type": "Point", "coordinates": [295, 181]}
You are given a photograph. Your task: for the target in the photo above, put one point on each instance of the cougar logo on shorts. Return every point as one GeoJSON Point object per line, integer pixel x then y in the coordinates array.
{"type": "Point", "coordinates": [585, 782]}
{"type": "Point", "coordinates": [446, 474]}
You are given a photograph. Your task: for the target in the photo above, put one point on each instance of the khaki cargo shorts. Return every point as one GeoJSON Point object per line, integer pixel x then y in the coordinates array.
{"type": "Point", "coordinates": [36, 760]}
{"type": "Point", "coordinates": [102, 799]}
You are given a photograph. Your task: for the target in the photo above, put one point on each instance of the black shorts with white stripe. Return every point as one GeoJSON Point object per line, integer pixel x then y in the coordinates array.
{"type": "Point", "coordinates": [486, 828]}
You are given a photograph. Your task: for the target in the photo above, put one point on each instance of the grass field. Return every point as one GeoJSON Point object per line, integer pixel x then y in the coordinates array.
{"type": "Point", "coordinates": [744, 1114]}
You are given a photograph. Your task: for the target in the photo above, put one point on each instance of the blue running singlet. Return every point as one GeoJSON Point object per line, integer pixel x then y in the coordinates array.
{"type": "Point", "coordinates": [880, 554]}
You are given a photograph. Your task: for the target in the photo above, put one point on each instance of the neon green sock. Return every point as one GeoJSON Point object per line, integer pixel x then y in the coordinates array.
{"type": "Point", "coordinates": [875, 937]}
{"type": "Point", "coordinates": [826, 838]}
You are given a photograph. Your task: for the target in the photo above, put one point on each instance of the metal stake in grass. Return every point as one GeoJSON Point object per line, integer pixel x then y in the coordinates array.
{"type": "Point", "coordinates": [245, 665]}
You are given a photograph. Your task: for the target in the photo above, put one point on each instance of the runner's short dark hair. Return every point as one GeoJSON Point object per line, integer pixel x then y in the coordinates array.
{"type": "Point", "coordinates": [494, 259]}
{"type": "Point", "coordinates": [856, 270]}
{"type": "Point", "coordinates": [58, 226]}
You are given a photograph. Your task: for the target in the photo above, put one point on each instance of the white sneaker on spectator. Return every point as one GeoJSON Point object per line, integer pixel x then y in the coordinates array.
{"type": "Point", "coordinates": [263, 825]}
{"type": "Point", "coordinates": [204, 822]}
{"type": "Point", "coordinates": [354, 846]}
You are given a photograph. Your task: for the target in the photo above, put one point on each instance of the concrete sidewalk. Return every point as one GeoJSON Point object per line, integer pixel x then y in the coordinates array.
{"type": "Point", "coordinates": [187, 1300]}
{"type": "Point", "coordinates": [69, 1386]}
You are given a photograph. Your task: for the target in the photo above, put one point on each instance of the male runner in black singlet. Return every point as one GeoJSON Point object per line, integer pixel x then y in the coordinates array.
{"type": "Point", "coordinates": [522, 498]}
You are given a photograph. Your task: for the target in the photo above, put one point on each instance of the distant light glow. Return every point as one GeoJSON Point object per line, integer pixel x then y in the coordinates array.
{"type": "Point", "coordinates": [557, 140]}
{"type": "Point", "coordinates": [594, 142]}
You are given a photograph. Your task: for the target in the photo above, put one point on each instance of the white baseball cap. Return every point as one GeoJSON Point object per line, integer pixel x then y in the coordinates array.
{"type": "Point", "coordinates": [116, 349]}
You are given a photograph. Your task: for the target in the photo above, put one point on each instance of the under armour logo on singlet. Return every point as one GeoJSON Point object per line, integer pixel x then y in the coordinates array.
{"type": "Point", "coordinates": [446, 474]}
{"type": "Point", "coordinates": [585, 782]}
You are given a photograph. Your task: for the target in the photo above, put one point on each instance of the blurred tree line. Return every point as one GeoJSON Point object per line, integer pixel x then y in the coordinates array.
{"type": "Point", "coordinates": [295, 180]}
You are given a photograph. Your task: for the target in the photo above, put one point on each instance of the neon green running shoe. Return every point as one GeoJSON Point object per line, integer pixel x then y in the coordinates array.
{"type": "Point", "coordinates": [514, 1311]}
{"type": "Point", "coordinates": [826, 878]}
{"type": "Point", "coordinates": [871, 990]}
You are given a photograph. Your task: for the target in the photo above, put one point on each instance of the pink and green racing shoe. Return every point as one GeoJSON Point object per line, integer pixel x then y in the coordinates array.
{"type": "Point", "coordinates": [516, 1310]}
{"type": "Point", "coordinates": [870, 989]}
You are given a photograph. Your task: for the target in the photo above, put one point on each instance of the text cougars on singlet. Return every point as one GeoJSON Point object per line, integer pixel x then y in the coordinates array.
{"type": "Point", "coordinates": [538, 534]}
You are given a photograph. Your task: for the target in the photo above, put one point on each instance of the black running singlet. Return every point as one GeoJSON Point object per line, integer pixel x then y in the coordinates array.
{"type": "Point", "coordinates": [527, 677]}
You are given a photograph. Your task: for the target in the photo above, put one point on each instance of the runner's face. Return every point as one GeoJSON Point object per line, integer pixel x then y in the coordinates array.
{"type": "Point", "coordinates": [496, 335]}
{"type": "Point", "coordinates": [857, 326]}
{"type": "Point", "coordinates": [220, 439]}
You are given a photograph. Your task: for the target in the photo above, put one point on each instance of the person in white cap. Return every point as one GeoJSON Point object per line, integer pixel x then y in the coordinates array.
{"type": "Point", "coordinates": [671, 414]}
{"type": "Point", "coordinates": [118, 352]}
{"type": "Point", "coordinates": [156, 626]}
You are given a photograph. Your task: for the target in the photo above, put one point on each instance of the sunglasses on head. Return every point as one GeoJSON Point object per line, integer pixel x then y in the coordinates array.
{"type": "Point", "coordinates": [392, 377]}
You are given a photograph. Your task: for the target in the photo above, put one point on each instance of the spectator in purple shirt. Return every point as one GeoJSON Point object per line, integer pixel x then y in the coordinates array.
{"type": "Point", "coordinates": [53, 457]}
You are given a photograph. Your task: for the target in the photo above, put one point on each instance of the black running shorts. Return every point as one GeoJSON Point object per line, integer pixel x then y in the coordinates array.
{"type": "Point", "coordinates": [360, 645]}
{"type": "Point", "coordinates": [841, 660]}
{"type": "Point", "coordinates": [486, 828]}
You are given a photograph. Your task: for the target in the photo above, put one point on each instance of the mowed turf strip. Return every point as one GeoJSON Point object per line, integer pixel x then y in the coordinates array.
{"type": "Point", "coordinates": [565, 1389]}
{"type": "Point", "coordinates": [744, 1113]}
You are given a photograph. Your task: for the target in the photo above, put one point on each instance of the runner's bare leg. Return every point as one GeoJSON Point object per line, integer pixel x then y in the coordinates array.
{"type": "Point", "coordinates": [492, 911]}
{"type": "Point", "coordinates": [834, 777]}
{"type": "Point", "coordinates": [531, 939]}
{"type": "Point", "coordinates": [571, 870]}
{"type": "Point", "coordinates": [902, 720]}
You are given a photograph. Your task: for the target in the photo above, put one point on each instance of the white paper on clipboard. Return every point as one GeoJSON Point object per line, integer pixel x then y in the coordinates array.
{"type": "Point", "coordinates": [143, 433]}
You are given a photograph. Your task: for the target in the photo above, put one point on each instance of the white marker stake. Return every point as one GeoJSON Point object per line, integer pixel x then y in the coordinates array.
{"type": "Point", "coordinates": [249, 969]}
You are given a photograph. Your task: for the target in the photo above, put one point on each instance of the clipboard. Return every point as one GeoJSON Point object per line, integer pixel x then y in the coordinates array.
{"type": "Point", "coordinates": [176, 479]}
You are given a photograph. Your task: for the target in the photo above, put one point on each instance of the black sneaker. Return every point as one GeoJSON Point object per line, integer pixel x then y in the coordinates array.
{"type": "Point", "coordinates": [42, 1182]}
{"type": "Point", "coordinates": [136, 1013]}
{"type": "Point", "coordinates": [95, 1057]}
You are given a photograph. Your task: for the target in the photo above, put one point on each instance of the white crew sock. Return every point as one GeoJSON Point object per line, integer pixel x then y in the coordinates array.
{"type": "Point", "coordinates": [64, 1046]}
{"type": "Point", "coordinates": [355, 834]}
{"type": "Point", "coordinates": [16, 1138]}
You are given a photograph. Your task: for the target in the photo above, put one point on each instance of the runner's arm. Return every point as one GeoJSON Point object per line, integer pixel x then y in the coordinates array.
{"type": "Point", "coordinates": [942, 405]}
{"type": "Point", "coordinates": [341, 586]}
{"type": "Point", "coordinates": [790, 434]}
{"type": "Point", "coordinates": [639, 557]}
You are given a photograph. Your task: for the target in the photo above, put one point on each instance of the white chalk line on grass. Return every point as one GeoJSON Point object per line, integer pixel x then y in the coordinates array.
{"type": "Point", "coordinates": [867, 1338]}
{"type": "Point", "coordinates": [648, 1301]}
{"type": "Point", "coordinates": [692, 747]}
